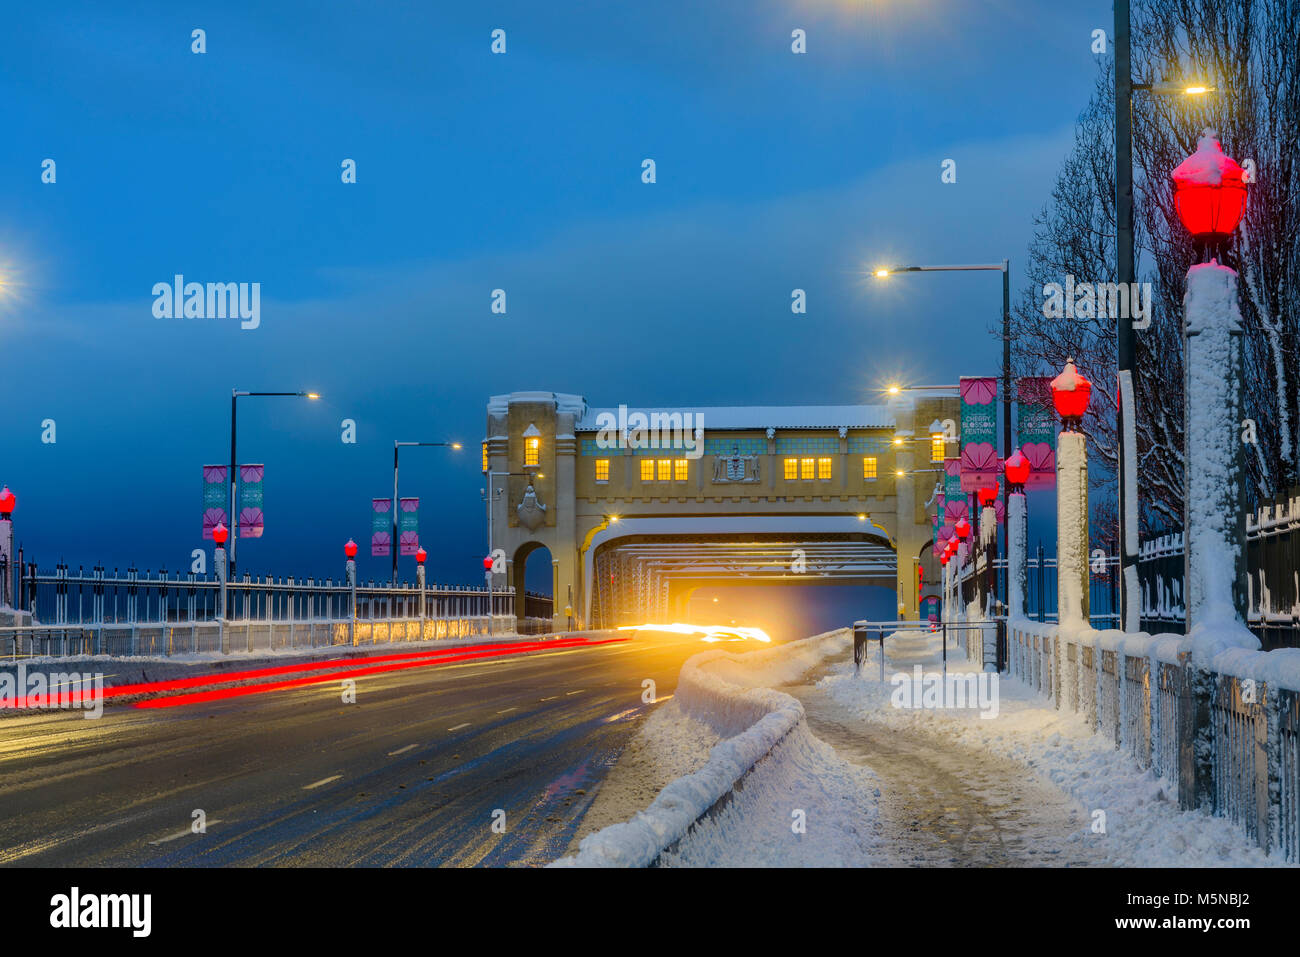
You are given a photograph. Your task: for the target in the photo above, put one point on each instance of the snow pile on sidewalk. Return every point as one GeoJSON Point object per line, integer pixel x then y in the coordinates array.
{"type": "Point", "coordinates": [1143, 825]}
{"type": "Point", "coordinates": [731, 694]}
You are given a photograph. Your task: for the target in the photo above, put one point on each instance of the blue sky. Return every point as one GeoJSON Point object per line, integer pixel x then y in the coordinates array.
{"type": "Point", "coordinates": [475, 172]}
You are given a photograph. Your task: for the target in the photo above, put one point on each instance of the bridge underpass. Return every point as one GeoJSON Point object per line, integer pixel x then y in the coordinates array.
{"type": "Point", "coordinates": [652, 578]}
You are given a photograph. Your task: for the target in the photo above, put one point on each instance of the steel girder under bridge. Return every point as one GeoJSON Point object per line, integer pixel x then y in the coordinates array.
{"type": "Point", "coordinates": [649, 578]}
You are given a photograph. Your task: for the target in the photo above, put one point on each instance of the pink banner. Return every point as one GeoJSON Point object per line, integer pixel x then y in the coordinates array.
{"type": "Point", "coordinates": [381, 519]}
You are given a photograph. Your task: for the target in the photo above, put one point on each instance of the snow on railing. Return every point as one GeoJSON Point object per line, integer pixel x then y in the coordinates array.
{"type": "Point", "coordinates": [1146, 694]}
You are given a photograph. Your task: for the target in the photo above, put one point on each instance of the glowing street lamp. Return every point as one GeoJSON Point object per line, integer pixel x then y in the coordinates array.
{"type": "Point", "coordinates": [1209, 193]}
{"type": "Point", "coordinates": [1070, 395]}
{"type": "Point", "coordinates": [350, 549]}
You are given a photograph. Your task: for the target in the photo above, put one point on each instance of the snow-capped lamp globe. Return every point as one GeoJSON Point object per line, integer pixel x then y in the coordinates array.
{"type": "Point", "coordinates": [420, 555]}
{"type": "Point", "coordinates": [350, 549]}
{"type": "Point", "coordinates": [1070, 395]}
{"type": "Point", "coordinates": [962, 528]}
{"type": "Point", "coordinates": [988, 495]}
{"type": "Point", "coordinates": [1017, 471]}
{"type": "Point", "coordinates": [1209, 196]}
{"type": "Point", "coordinates": [487, 563]}
{"type": "Point", "coordinates": [8, 502]}
{"type": "Point", "coordinates": [943, 557]}
{"type": "Point", "coordinates": [220, 533]}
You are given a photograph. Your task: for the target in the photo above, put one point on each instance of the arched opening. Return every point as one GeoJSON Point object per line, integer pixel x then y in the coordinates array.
{"type": "Point", "coordinates": [533, 576]}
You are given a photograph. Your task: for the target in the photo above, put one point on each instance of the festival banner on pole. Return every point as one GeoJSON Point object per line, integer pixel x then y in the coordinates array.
{"type": "Point", "coordinates": [408, 526]}
{"type": "Point", "coordinates": [381, 526]}
{"type": "Point", "coordinates": [954, 499]}
{"type": "Point", "coordinates": [979, 432]}
{"type": "Point", "coordinates": [214, 499]}
{"type": "Point", "coordinates": [250, 501]}
{"type": "Point", "coordinates": [1036, 429]}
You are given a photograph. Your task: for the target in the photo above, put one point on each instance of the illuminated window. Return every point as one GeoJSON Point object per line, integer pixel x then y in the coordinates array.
{"type": "Point", "coordinates": [602, 470]}
{"type": "Point", "coordinates": [936, 447]}
{"type": "Point", "coordinates": [485, 457]}
{"type": "Point", "coordinates": [824, 468]}
{"type": "Point", "coordinates": [665, 469]}
{"type": "Point", "coordinates": [532, 451]}
{"type": "Point", "coordinates": [868, 466]}
{"type": "Point", "coordinates": [647, 470]}
{"type": "Point", "coordinates": [791, 468]}
{"type": "Point", "coordinates": [806, 468]}
{"type": "Point", "coordinates": [680, 469]}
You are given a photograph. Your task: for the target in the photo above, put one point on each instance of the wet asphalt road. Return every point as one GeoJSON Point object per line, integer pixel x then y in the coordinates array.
{"type": "Point", "coordinates": [413, 774]}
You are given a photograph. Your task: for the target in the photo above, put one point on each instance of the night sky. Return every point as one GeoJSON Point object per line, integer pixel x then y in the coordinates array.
{"type": "Point", "coordinates": [475, 172]}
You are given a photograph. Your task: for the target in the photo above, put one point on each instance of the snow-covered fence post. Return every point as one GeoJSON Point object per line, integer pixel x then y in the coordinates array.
{"type": "Point", "coordinates": [989, 544]}
{"type": "Point", "coordinates": [219, 561]}
{"type": "Point", "coordinates": [1070, 393]}
{"type": "Point", "coordinates": [352, 600]}
{"type": "Point", "coordinates": [1214, 573]}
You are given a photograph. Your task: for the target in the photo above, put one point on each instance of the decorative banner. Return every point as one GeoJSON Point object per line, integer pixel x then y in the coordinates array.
{"type": "Point", "coordinates": [954, 499]}
{"type": "Point", "coordinates": [250, 500]}
{"type": "Point", "coordinates": [979, 431]}
{"type": "Point", "coordinates": [381, 526]}
{"type": "Point", "coordinates": [214, 499]}
{"type": "Point", "coordinates": [1036, 428]}
{"type": "Point", "coordinates": [408, 526]}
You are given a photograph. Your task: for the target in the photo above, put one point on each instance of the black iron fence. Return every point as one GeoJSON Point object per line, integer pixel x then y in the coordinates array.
{"type": "Point", "coordinates": [1272, 576]}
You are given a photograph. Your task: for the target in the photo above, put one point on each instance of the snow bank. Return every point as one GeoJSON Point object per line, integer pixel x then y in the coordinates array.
{"type": "Point", "coordinates": [726, 691]}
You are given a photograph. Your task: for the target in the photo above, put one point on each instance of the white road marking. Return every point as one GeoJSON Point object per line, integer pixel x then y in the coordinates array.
{"type": "Point", "coordinates": [178, 835]}
{"type": "Point", "coordinates": [507, 711]}
{"type": "Point", "coordinates": [551, 698]}
{"type": "Point", "coordinates": [308, 787]}
{"type": "Point", "coordinates": [459, 726]}
{"type": "Point", "coordinates": [579, 691]}
{"type": "Point", "coordinates": [393, 754]}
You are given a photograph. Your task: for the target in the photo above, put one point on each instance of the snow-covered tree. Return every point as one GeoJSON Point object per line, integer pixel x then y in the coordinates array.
{"type": "Point", "coordinates": [1249, 51]}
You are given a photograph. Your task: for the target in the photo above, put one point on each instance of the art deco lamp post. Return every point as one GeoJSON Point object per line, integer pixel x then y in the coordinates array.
{"type": "Point", "coordinates": [1210, 199]}
{"type": "Point", "coordinates": [1017, 472]}
{"type": "Point", "coordinates": [1070, 395]}
{"type": "Point", "coordinates": [350, 550]}
{"type": "Point", "coordinates": [8, 502]}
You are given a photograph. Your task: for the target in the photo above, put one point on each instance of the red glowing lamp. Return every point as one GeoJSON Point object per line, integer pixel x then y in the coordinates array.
{"type": "Point", "coordinates": [1017, 469]}
{"type": "Point", "coordinates": [1070, 395]}
{"type": "Point", "coordinates": [1209, 191]}
{"type": "Point", "coordinates": [943, 558]}
{"type": "Point", "coordinates": [350, 549]}
{"type": "Point", "coordinates": [420, 555]}
{"type": "Point", "coordinates": [962, 528]}
{"type": "Point", "coordinates": [487, 563]}
{"type": "Point", "coordinates": [8, 501]}
{"type": "Point", "coordinates": [220, 533]}
{"type": "Point", "coordinates": [988, 495]}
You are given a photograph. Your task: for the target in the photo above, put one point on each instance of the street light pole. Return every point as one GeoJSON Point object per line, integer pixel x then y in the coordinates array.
{"type": "Point", "coordinates": [231, 516]}
{"type": "Point", "coordinates": [1003, 267]}
{"type": "Point", "coordinates": [1125, 341]}
{"type": "Point", "coordinates": [1126, 353]}
{"type": "Point", "coordinates": [396, 446]}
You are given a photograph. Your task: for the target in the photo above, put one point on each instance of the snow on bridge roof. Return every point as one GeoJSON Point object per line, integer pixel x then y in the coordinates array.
{"type": "Point", "coordinates": [762, 417]}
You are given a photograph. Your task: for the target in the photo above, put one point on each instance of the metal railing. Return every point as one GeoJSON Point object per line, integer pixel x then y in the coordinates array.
{"type": "Point", "coordinates": [1040, 599]}
{"type": "Point", "coordinates": [1140, 692]}
{"type": "Point", "coordinates": [135, 613]}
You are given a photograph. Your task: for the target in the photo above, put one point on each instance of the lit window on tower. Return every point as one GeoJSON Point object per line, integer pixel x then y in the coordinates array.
{"type": "Point", "coordinates": [647, 470]}
{"type": "Point", "coordinates": [936, 447]}
{"type": "Point", "coordinates": [681, 469]}
{"type": "Point", "coordinates": [532, 451]}
{"type": "Point", "coordinates": [806, 468]}
{"type": "Point", "coordinates": [868, 466]}
{"type": "Point", "coordinates": [602, 470]}
{"type": "Point", "coordinates": [824, 468]}
{"type": "Point", "coordinates": [665, 469]}
{"type": "Point", "coordinates": [485, 457]}
{"type": "Point", "coordinates": [791, 468]}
